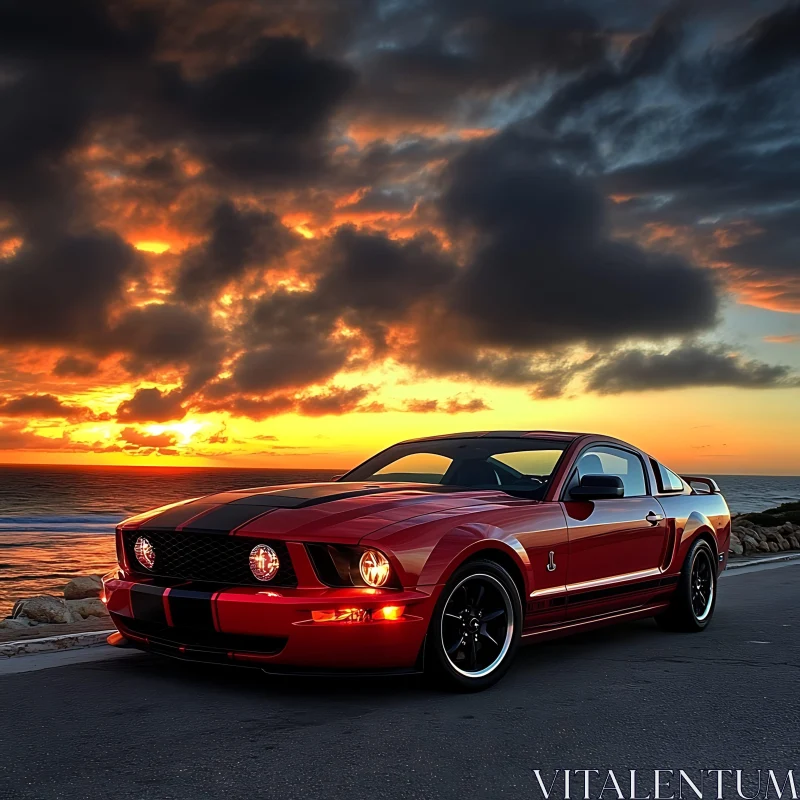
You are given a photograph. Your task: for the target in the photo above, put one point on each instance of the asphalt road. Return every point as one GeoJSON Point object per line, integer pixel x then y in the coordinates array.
{"type": "Point", "coordinates": [625, 697]}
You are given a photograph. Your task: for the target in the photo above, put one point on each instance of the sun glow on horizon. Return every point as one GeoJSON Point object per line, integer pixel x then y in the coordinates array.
{"type": "Point", "coordinates": [152, 247]}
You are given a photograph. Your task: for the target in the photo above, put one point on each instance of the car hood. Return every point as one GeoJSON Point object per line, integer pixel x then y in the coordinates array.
{"type": "Point", "coordinates": [321, 512]}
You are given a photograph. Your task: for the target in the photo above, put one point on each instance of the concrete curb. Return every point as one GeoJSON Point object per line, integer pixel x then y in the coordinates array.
{"type": "Point", "coordinates": [48, 644]}
{"type": "Point", "coordinates": [749, 562]}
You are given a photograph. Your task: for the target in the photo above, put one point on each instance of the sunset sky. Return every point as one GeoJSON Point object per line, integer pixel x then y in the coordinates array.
{"type": "Point", "coordinates": [291, 232]}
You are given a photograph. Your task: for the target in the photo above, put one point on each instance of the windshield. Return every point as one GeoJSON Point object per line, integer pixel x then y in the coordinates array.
{"type": "Point", "coordinates": [513, 465]}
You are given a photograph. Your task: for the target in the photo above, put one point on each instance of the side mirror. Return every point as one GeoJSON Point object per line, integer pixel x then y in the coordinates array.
{"type": "Point", "coordinates": [598, 487]}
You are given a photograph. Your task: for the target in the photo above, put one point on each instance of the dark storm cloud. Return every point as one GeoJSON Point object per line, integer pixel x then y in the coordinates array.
{"type": "Point", "coordinates": [74, 367]}
{"type": "Point", "coordinates": [238, 241]}
{"type": "Point", "coordinates": [60, 292]}
{"type": "Point", "coordinates": [688, 365]}
{"type": "Point", "coordinates": [288, 365]}
{"type": "Point", "coordinates": [263, 117]}
{"type": "Point", "coordinates": [648, 54]}
{"type": "Point", "coordinates": [376, 280]}
{"type": "Point", "coordinates": [714, 177]}
{"type": "Point", "coordinates": [59, 63]}
{"type": "Point", "coordinates": [47, 406]}
{"type": "Point", "coordinates": [259, 114]}
{"type": "Point", "coordinates": [152, 405]}
{"type": "Point", "coordinates": [544, 269]}
{"type": "Point", "coordinates": [334, 401]}
{"type": "Point", "coordinates": [769, 245]}
{"type": "Point", "coordinates": [162, 334]}
{"type": "Point", "coordinates": [425, 59]}
{"type": "Point", "coordinates": [367, 279]}
{"type": "Point", "coordinates": [455, 405]}
{"type": "Point", "coordinates": [767, 49]}
{"type": "Point", "coordinates": [138, 439]}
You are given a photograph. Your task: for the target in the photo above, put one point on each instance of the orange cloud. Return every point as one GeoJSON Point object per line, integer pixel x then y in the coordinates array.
{"type": "Point", "coordinates": [789, 338]}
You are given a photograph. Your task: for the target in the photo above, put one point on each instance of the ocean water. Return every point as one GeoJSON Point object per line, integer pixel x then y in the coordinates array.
{"type": "Point", "coordinates": [57, 522]}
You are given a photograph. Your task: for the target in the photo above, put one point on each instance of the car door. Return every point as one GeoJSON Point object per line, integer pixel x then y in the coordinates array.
{"type": "Point", "coordinates": [616, 546]}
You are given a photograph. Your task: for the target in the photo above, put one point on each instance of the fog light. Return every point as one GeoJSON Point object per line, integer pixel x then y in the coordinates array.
{"type": "Point", "coordinates": [389, 612]}
{"type": "Point", "coordinates": [358, 614]}
{"type": "Point", "coordinates": [374, 567]}
{"type": "Point", "coordinates": [341, 615]}
{"type": "Point", "coordinates": [145, 553]}
{"type": "Point", "coordinates": [264, 562]}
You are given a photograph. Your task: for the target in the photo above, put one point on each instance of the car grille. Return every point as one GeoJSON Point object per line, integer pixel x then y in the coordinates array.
{"type": "Point", "coordinates": [210, 558]}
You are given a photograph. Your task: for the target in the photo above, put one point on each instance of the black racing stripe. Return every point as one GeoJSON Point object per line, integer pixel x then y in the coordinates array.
{"type": "Point", "coordinates": [147, 603]}
{"type": "Point", "coordinates": [287, 501]}
{"type": "Point", "coordinates": [591, 595]}
{"type": "Point", "coordinates": [224, 519]}
{"type": "Point", "coordinates": [173, 517]}
{"type": "Point", "coordinates": [191, 608]}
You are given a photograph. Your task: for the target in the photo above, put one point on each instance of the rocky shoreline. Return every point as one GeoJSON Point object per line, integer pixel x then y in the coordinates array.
{"type": "Point", "coordinates": [775, 530]}
{"type": "Point", "coordinates": [772, 531]}
{"type": "Point", "coordinates": [81, 601]}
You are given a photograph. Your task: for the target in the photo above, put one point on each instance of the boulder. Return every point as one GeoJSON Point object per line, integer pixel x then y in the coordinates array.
{"type": "Point", "coordinates": [764, 547]}
{"type": "Point", "coordinates": [784, 545]}
{"type": "Point", "coordinates": [794, 542]}
{"type": "Point", "coordinates": [87, 607]}
{"type": "Point", "coordinates": [736, 547]}
{"type": "Point", "coordinates": [787, 529]}
{"type": "Point", "coordinates": [11, 624]}
{"type": "Point", "coordinates": [82, 587]}
{"type": "Point", "coordinates": [773, 547]}
{"type": "Point", "coordinates": [45, 608]}
{"type": "Point", "coordinates": [749, 544]}
{"type": "Point", "coordinates": [744, 523]}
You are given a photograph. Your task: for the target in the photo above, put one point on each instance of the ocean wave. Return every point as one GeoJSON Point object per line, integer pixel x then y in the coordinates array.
{"type": "Point", "coordinates": [66, 523]}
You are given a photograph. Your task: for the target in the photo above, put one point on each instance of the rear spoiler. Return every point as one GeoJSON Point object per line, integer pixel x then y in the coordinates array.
{"type": "Point", "coordinates": [709, 483]}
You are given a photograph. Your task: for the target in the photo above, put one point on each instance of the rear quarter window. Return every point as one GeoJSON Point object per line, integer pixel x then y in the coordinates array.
{"type": "Point", "coordinates": [668, 481]}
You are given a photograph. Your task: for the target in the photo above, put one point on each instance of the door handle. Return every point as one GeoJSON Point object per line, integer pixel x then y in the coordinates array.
{"type": "Point", "coordinates": [653, 518]}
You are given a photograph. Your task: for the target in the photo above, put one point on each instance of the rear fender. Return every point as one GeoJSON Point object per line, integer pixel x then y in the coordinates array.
{"type": "Point", "coordinates": [696, 525]}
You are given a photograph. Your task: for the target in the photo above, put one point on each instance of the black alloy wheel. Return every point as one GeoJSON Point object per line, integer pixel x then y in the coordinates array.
{"type": "Point", "coordinates": [695, 596]}
{"type": "Point", "coordinates": [475, 629]}
{"type": "Point", "coordinates": [702, 583]}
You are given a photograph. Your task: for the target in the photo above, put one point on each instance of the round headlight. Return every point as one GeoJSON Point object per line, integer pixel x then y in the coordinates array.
{"type": "Point", "coordinates": [264, 562]}
{"type": "Point", "coordinates": [145, 552]}
{"type": "Point", "coordinates": [374, 567]}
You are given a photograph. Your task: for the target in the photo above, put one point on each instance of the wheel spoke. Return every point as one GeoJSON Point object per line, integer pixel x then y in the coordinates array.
{"type": "Point", "coordinates": [473, 654]}
{"type": "Point", "coordinates": [485, 633]}
{"type": "Point", "coordinates": [452, 616]}
{"type": "Point", "coordinates": [454, 649]}
{"type": "Point", "coordinates": [494, 615]}
{"type": "Point", "coordinates": [478, 599]}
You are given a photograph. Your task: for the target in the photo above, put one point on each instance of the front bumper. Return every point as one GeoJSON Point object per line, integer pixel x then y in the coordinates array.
{"type": "Point", "coordinates": [272, 628]}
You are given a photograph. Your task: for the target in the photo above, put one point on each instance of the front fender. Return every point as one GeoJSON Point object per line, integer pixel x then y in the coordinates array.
{"type": "Point", "coordinates": [465, 541]}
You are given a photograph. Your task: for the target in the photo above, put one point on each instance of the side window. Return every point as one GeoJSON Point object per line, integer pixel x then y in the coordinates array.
{"type": "Point", "coordinates": [417, 468]}
{"type": "Point", "coordinates": [607, 460]}
{"type": "Point", "coordinates": [668, 481]}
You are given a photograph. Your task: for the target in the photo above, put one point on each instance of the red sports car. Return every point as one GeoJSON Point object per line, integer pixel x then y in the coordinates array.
{"type": "Point", "coordinates": [439, 555]}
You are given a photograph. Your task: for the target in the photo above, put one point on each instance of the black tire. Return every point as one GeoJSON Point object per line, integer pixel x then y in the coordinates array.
{"type": "Point", "coordinates": [692, 608]}
{"type": "Point", "coordinates": [475, 628]}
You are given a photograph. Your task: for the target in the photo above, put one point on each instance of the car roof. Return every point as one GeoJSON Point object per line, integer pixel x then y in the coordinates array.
{"type": "Point", "coordinates": [563, 436]}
